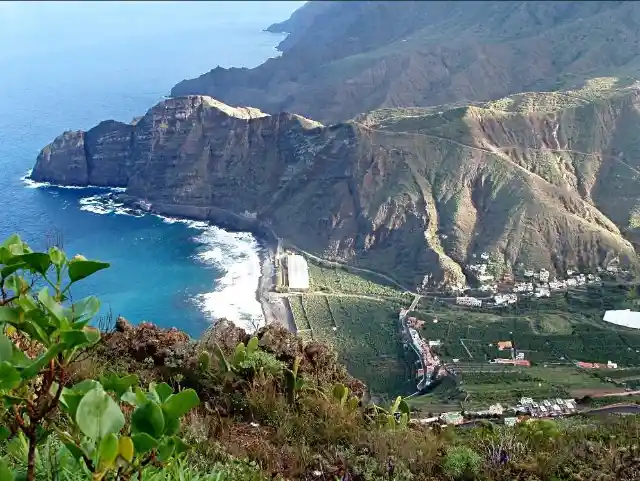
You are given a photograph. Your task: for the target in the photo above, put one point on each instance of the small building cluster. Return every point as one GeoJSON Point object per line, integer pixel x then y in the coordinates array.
{"type": "Point", "coordinates": [546, 408]}
{"type": "Point", "coordinates": [468, 301]}
{"type": "Point", "coordinates": [597, 365]}
{"type": "Point", "coordinates": [501, 299]}
{"type": "Point", "coordinates": [513, 362]}
{"type": "Point", "coordinates": [414, 322]}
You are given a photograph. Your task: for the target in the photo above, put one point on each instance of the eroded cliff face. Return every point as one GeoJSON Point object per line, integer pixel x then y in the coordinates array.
{"type": "Point", "coordinates": [414, 193]}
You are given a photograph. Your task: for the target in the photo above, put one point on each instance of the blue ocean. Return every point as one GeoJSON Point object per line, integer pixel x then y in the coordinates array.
{"type": "Point", "coordinates": [69, 65]}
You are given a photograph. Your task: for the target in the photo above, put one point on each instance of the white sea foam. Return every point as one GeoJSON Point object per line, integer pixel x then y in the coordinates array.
{"type": "Point", "coordinates": [32, 184]}
{"type": "Point", "coordinates": [236, 255]}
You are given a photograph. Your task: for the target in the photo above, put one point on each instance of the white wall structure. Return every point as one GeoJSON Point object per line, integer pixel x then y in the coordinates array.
{"type": "Point", "coordinates": [625, 318]}
{"type": "Point", "coordinates": [297, 272]}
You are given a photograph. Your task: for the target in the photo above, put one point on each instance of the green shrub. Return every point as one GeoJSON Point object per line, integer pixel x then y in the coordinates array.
{"type": "Point", "coordinates": [462, 462]}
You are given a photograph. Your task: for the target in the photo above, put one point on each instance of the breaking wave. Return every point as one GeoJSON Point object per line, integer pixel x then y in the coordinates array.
{"type": "Point", "coordinates": [235, 255]}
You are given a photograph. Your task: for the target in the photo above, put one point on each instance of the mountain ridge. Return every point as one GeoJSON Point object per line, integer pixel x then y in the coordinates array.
{"type": "Point", "coordinates": [347, 58]}
{"type": "Point", "coordinates": [533, 179]}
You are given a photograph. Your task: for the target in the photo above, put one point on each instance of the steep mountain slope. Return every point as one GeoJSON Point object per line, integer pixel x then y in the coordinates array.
{"type": "Point", "coordinates": [344, 58]}
{"type": "Point", "coordinates": [544, 179]}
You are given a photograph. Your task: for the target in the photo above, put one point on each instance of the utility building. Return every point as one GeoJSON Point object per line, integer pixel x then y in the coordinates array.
{"type": "Point", "coordinates": [297, 272]}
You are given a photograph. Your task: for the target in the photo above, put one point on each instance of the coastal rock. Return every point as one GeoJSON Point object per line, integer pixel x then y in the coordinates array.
{"type": "Point", "coordinates": [143, 341]}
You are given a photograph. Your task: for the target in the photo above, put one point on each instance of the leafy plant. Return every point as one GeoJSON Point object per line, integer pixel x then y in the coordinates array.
{"type": "Point", "coordinates": [32, 387]}
{"type": "Point", "coordinates": [396, 417]}
{"type": "Point", "coordinates": [340, 394]}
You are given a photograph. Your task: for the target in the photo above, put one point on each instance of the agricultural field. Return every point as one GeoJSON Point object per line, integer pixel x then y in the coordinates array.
{"type": "Point", "coordinates": [364, 333]}
{"type": "Point", "coordinates": [506, 385]}
{"type": "Point", "coordinates": [560, 329]}
{"type": "Point", "coordinates": [358, 317]}
{"type": "Point", "coordinates": [335, 280]}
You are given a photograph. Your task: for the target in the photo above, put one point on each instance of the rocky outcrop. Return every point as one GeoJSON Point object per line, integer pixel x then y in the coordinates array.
{"type": "Point", "coordinates": [535, 179]}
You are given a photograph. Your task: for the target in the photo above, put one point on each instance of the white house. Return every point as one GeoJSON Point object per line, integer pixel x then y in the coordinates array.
{"type": "Point", "coordinates": [612, 365]}
{"type": "Point", "coordinates": [544, 275]}
{"type": "Point", "coordinates": [542, 292]}
{"type": "Point", "coordinates": [468, 301]}
{"type": "Point", "coordinates": [496, 409]}
{"type": "Point", "coordinates": [528, 273]}
{"type": "Point", "coordinates": [624, 317]}
{"type": "Point", "coordinates": [484, 256]}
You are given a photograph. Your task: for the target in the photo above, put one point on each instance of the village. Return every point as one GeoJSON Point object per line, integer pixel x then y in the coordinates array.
{"type": "Point", "coordinates": [535, 283]}
{"type": "Point", "coordinates": [526, 409]}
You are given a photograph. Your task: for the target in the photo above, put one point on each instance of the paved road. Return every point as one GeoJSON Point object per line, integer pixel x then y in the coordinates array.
{"type": "Point", "coordinates": [615, 409]}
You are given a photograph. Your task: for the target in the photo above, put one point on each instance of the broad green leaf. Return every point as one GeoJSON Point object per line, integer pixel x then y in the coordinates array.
{"type": "Point", "coordinates": [69, 401]}
{"type": "Point", "coordinates": [252, 345]}
{"type": "Point", "coordinates": [125, 448]}
{"type": "Point", "coordinates": [75, 451]}
{"type": "Point", "coordinates": [4, 433]}
{"type": "Point", "coordinates": [13, 239]}
{"type": "Point", "coordinates": [143, 443]}
{"type": "Point", "coordinates": [6, 474]}
{"type": "Point", "coordinates": [98, 415]}
{"type": "Point", "coordinates": [36, 261]}
{"type": "Point", "coordinates": [129, 397]}
{"type": "Point", "coordinates": [9, 314]}
{"type": "Point", "coordinates": [74, 338]}
{"type": "Point", "coordinates": [404, 407]}
{"type": "Point", "coordinates": [395, 405]}
{"type": "Point", "coordinates": [148, 418]}
{"type": "Point", "coordinates": [79, 269]}
{"type": "Point", "coordinates": [141, 397]}
{"type": "Point", "coordinates": [166, 449]}
{"type": "Point", "coordinates": [83, 310]}
{"type": "Point", "coordinates": [10, 269]}
{"type": "Point", "coordinates": [108, 449]}
{"type": "Point", "coordinates": [6, 348]}
{"type": "Point", "coordinates": [172, 426]}
{"type": "Point", "coordinates": [57, 256]}
{"type": "Point", "coordinates": [20, 359]}
{"type": "Point", "coordinates": [181, 403]}
{"type": "Point", "coordinates": [34, 368]}
{"type": "Point", "coordinates": [240, 354]}
{"type": "Point", "coordinates": [54, 307]}
{"type": "Point", "coordinates": [93, 334]}
{"type": "Point", "coordinates": [27, 303]}
{"type": "Point", "coordinates": [9, 376]}
{"type": "Point", "coordinates": [181, 446]}
{"type": "Point", "coordinates": [36, 324]}
{"type": "Point", "coordinates": [163, 390]}
{"type": "Point", "coordinates": [119, 385]}
{"type": "Point", "coordinates": [83, 387]}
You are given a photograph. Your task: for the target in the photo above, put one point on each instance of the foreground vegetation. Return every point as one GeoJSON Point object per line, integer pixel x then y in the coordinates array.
{"type": "Point", "coordinates": [143, 403]}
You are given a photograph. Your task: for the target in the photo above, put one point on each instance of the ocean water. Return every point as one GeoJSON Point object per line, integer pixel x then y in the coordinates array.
{"type": "Point", "coordinates": [67, 66]}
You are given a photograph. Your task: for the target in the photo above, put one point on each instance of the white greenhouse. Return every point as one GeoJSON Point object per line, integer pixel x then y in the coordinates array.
{"type": "Point", "coordinates": [625, 318]}
{"type": "Point", "coordinates": [297, 272]}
